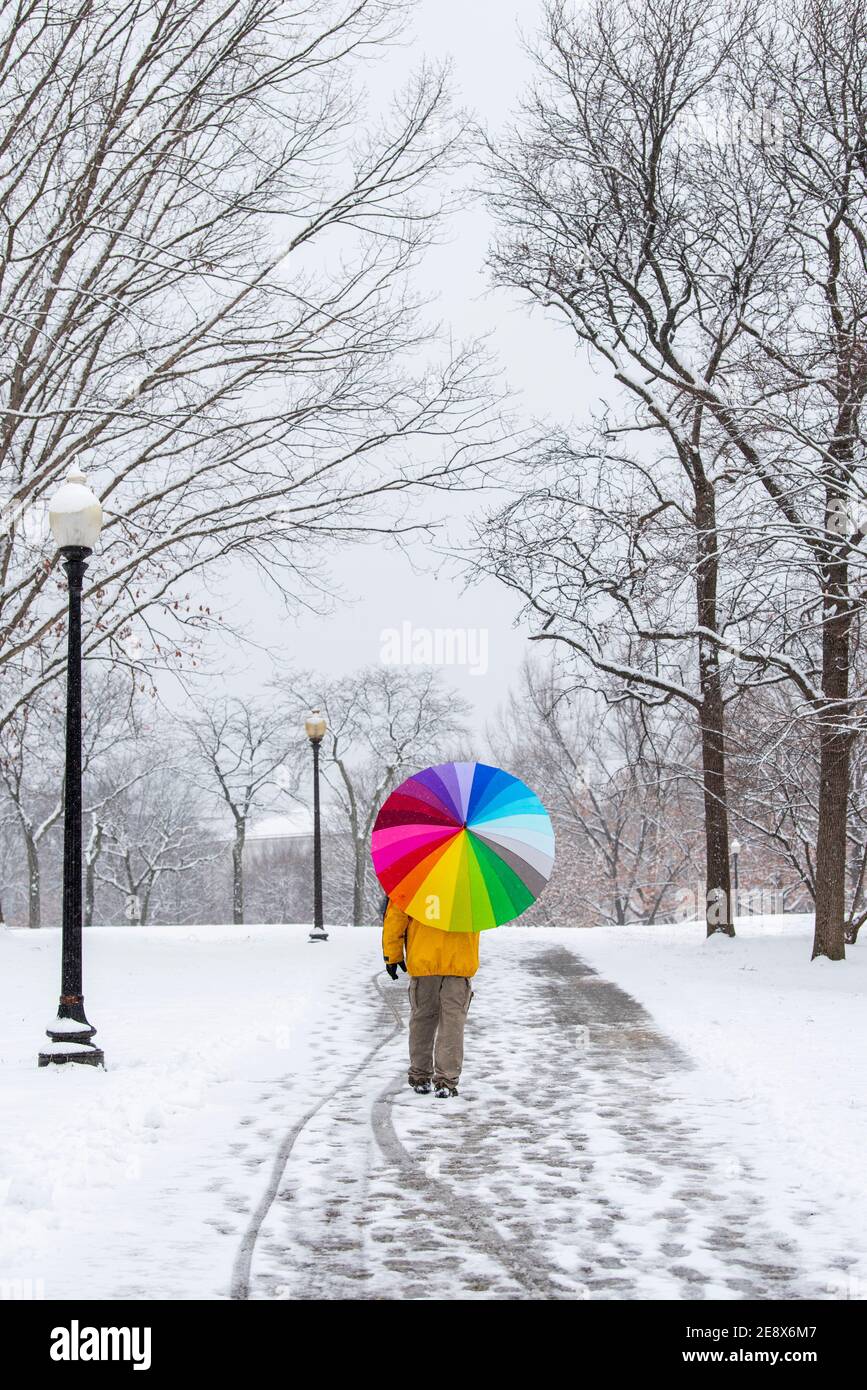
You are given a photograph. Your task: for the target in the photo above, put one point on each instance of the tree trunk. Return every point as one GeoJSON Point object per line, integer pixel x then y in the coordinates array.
{"type": "Point", "coordinates": [831, 841]}
{"type": "Point", "coordinates": [358, 884]}
{"type": "Point", "coordinates": [132, 911]}
{"type": "Point", "coordinates": [89, 891]}
{"type": "Point", "coordinates": [93, 852]}
{"type": "Point", "coordinates": [34, 892]}
{"type": "Point", "coordinates": [855, 870]}
{"type": "Point", "coordinates": [834, 747]}
{"type": "Point", "coordinates": [238, 874]}
{"type": "Point", "coordinates": [719, 914]}
{"type": "Point", "coordinates": [146, 901]}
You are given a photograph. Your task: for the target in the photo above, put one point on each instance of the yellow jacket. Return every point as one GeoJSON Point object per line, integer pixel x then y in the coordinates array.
{"type": "Point", "coordinates": [428, 950]}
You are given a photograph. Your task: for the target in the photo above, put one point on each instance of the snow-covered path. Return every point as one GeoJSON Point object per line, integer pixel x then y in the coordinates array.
{"type": "Point", "coordinates": [254, 1137]}
{"type": "Point", "coordinates": [564, 1170]}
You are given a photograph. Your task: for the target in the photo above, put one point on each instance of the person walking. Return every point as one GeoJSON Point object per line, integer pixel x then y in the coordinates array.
{"type": "Point", "coordinates": [440, 966]}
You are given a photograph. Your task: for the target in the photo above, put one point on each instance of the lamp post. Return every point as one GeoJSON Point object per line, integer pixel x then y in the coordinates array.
{"type": "Point", "coordinates": [76, 521]}
{"type": "Point", "coordinates": [736, 850]}
{"type": "Point", "coordinates": [315, 728]}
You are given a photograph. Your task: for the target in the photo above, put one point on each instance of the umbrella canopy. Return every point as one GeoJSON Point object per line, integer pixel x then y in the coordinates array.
{"type": "Point", "coordinates": [463, 846]}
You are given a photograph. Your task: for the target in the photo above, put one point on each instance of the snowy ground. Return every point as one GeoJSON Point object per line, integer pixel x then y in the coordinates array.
{"type": "Point", "coordinates": [642, 1115]}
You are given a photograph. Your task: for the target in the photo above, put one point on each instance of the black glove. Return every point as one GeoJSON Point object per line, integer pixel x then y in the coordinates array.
{"type": "Point", "coordinates": [392, 969]}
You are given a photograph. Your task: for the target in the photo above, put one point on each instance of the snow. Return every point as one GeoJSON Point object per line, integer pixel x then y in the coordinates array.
{"type": "Point", "coordinates": [66, 1025]}
{"type": "Point", "coordinates": [255, 1083]}
{"type": "Point", "coordinates": [777, 1033]}
{"type": "Point", "coordinates": [297, 821]}
{"type": "Point", "coordinates": [133, 1160]}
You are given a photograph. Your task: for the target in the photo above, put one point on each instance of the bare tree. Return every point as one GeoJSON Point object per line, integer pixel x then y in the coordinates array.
{"type": "Point", "coordinates": [152, 831]}
{"type": "Point", "coordinates": [615, 782]}
{"type": "Point", "coordinates": [32, 775]}
{"type": "Point", "coordinates": [32, 771]}
{"type": "Point", "coordinates": [8, 866]}
{"type": "Point", "coordinates": [776, 794]}
{"type": "Point", "coordinates": [686, 191]}
{"type": "Point", "coordinates": [622, 535]}
{"type": "Point", "coordinates": [113, 777]}
{"type": "Point", "coordinates": [206, 234]}
{"type": "Point", "coordinates": [802, 437]}
{"type": "Point", "coordinates": [279, 873]}
{"type": "Point", "coordinates": [247, 752]}
{"type": "Point", "coordinates": [384, 722]}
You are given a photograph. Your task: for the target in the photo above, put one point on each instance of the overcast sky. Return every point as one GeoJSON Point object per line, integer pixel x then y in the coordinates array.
{"type": "Point", "coordinates": [383, 588]}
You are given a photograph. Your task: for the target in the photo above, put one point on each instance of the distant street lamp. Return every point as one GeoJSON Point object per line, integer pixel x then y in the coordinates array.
{"type": "Point", "coordinates": [315, 728]}
{"type": "Point", "coordinates": [736, 850]}
{"type": "Point", "coordinates": [76, 521]}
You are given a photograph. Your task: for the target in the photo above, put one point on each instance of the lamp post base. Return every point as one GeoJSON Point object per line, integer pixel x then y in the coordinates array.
{"type": "Point", "coordinates": [318, 934]}
{"type": "Point", "coordinates": [71, 1042]}
{"type": "Point", "coordinates": [83, 1053]}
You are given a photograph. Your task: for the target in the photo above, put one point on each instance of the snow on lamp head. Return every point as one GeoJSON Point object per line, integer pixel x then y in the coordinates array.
{"type": "Point", "coordinates": [75, 513]}
{"type": "Point", "coordinates": [315, 726]}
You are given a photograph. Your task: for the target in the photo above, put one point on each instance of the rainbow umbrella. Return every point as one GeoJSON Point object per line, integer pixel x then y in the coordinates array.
{"type": "Point", "coordinates": [463, 846]}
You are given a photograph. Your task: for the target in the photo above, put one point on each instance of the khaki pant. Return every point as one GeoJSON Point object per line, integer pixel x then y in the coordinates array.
{"type": "Point", "coordinates": [438, 1007]}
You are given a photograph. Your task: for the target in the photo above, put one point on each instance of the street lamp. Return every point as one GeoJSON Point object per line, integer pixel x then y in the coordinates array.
{"type": "Point", "coordinates": [315, 728]}
{"type": "Point", "coordinates": [735, 849]}
{"type": "Point", "coordinates": [76, 521]}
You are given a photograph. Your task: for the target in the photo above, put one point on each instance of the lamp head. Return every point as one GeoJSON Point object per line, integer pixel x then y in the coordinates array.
{"type": "Point", "coordinates": [75, 513]}
{"type": "Point", "coordinates": [315, 726]}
